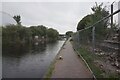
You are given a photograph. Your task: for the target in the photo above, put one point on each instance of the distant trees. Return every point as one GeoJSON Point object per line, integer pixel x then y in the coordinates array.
{"type": "Point", "coordinates": [38, 30]}
{"type": "Point", "coordinates": [68, 34]}
{"type": "Point", "coordinates": [52, 34]}
{"type": "Point", "coordinates": [42, 31]}
{"type": "Point", "coordinates": [18, 34]}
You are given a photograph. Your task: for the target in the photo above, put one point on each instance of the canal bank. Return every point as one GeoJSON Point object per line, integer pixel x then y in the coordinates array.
{"type": "Point", "coordinates": [48, 74]}
{"type": "Point", "coordinates": [71, 66]}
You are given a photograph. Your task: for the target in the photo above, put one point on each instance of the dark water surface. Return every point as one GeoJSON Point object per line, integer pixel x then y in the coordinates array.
{"type": "Point", "coordinates": [29, 62]}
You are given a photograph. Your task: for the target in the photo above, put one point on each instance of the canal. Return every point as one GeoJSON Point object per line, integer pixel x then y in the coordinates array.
{"type": "Point", "coordinates": [32, 63]}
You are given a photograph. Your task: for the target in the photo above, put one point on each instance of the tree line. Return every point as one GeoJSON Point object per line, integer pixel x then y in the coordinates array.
{"type": "Point", "coordinates": [19, 35]}
{"type": "Point", "coordinates": [102, 28]}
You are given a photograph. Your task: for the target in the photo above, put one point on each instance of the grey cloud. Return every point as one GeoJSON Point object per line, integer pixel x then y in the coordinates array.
{"type": "Point", "coordinates": [62, 16]}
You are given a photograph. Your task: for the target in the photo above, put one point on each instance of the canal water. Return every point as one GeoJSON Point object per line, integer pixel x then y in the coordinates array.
{"type": "Point", "coordinates": [30, 63]}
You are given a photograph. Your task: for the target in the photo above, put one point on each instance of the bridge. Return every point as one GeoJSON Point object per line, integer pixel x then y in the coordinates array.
{"type": "Point", "coordinates": [61, 36]}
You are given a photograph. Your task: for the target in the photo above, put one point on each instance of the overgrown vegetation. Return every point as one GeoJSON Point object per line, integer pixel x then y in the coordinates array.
{"type": "Point", "coordinates": [18, 35]}
{"type": "Point", "coordinates": [90, 57]}
{"type": "Point", "coordinates": [98, 72]}
{"type": "Point", "coordinates": [99, 12]}
{"type": "Point", "coordinates": [84, 44]}
{"type": "Point", "coordinates": [21, 34]}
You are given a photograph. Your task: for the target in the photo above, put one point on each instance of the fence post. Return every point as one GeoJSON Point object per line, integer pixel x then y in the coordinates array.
{"type": "Point", "coordinates": [111, 33]}
{"type": "Point", "coordinates": [93, 39]}
{"type": "Point", "coordinates": [78, 40]}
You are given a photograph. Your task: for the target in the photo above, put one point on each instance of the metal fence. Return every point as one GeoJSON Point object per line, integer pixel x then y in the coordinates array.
{"type": "Point", "coordinates": [101, 43]}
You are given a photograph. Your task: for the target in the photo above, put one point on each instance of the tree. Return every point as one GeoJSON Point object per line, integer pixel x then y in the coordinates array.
{"type": "Point", "coordinates": [38, 31]}
{"type": "Point", "coordinates": [17, 18]}
{"type": "Point", "coordinates": [52, 34]}
{"type": "Point", "coordinates": [99, 12]}
{"type": "Point", "coordinates": [15, 35]}
{"type": "Point", "coordinates": [84, 22]}
{"type": "Point", "coordinates": [43, 30]}
{"type": "Point", "coordinates": [24, 34]}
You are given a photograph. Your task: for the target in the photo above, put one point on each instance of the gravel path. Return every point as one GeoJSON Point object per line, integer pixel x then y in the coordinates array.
{"type": "Point", "coordinates": [71, 66]}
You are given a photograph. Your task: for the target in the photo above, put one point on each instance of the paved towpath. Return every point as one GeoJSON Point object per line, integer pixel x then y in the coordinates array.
{"type": "Point", "coordinates": [71, 66]}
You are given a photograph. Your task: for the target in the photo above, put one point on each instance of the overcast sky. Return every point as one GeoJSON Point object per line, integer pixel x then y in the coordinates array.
{"type": "Point", "coordinates": [62, 16]}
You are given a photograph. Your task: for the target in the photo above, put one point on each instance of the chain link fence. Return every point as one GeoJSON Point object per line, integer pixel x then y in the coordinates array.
{"type": "Point", "coordinates": [102, 42]}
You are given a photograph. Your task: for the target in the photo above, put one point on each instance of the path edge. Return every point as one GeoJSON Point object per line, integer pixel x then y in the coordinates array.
{"type": "Point", "coordinates": [84, 61]}
{"type": "Point", "coordinates": [50, 69]}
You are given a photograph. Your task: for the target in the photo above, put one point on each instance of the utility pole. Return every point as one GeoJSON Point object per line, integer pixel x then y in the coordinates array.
{"type": "Point", "coordinates": [119, 21]}
{"type": "Point", "coordinates": [111, 16]}
{"type": "Point", "coordinates": [112, 19]}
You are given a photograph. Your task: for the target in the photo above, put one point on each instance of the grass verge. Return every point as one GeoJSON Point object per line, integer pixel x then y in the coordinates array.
{"type": "Point", "coordinates": [52, 65]}
{"type": "Point", "coordinates": [50, 70]}
{"type": "Point", "coordinates": [90, 57]}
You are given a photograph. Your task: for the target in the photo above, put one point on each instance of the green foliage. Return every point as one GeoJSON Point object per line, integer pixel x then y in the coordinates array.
{"type": "Point", "coordinates": [18, 34]}
{"type": "Point", "coordinates": [12, 34]}
{"type": "Point", "coordinates": [38, 30]}
{"type": "Point", "coordinates": [99, 12]}
{"type": "Point", "coordinates": [52, 34]}
{"type": "Point", "coordinates": [41, 31]}
{"type": "Point", "coordinates": [89, 57]}
{"type": "Point", "coordinates": [84, 22]}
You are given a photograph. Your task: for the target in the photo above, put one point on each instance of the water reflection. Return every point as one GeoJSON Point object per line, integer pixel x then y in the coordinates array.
{"type": "Point", "coordinates": [21, 50]}
{"type": "Point", "coordinates": [29, 61]}
{"type": "Point", "coordinates": [37, 47]}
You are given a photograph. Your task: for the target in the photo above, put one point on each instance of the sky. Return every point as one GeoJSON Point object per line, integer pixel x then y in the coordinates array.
{"type": "Point", "coordinates": [63, 16]}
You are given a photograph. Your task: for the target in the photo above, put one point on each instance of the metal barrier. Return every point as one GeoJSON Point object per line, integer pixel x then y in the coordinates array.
{"type": "Point", "coordinates": [101, 43]}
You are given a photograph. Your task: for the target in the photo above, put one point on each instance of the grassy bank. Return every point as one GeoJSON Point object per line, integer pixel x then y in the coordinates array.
{"type": "Point", "coordinates": [52, 65]}
{"type": "Point", "coordinates": [93, 62]}
{"type": "Point", "coordinates": [99, 73]}
{"type": "Point", "coordinates": [90, 58]}
{"type": "Point", "coordinates": [50, 70]}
